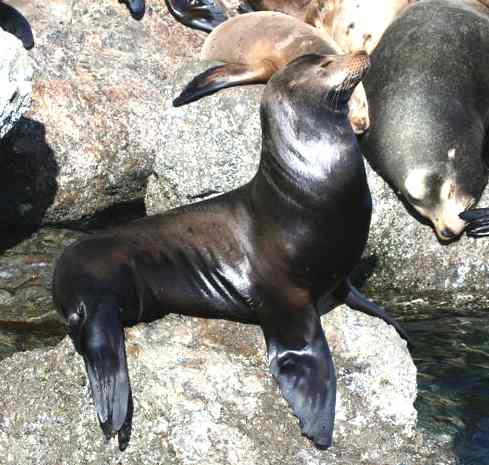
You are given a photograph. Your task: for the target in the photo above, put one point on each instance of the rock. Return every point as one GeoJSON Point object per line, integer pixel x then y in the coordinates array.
{"type": "Point", "coordinates": [94, 129]}
{"type": "Point", "coordinates": [15, 82]}
{"type": "Point", "coordinates": [214, 146]}
{"type": "Point", "coordinates": [203, 394]}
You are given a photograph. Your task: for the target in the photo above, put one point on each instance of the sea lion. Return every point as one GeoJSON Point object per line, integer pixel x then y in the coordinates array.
{"type": "Point", "coordinates": [353, 24]}
{"type": "Point", "coordinates": [428, 95]}
{"type": "Point", "coordinates": [254, 46]}
{"type": "Point", "coordinates": [11, 20]}
{"type": "Point", "coordinates": [272, 252]}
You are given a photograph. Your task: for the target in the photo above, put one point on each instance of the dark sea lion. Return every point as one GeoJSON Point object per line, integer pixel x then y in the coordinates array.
{"type": "Point", "coordinates": [274, 252]}
{"type": "Point", "coordinates": [11, 20]}
{"type": "Point", "coordinates": [253, 47]}
{"type": "Point", "coordinates": [428, 95]}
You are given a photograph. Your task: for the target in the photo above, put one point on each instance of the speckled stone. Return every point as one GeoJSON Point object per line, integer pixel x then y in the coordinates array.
{"type": "Point", "coordinates": [203, 394]}
{"type": "Point", "coordinates": [95, 127]}
{"type": "Point", "coordinates": [15, 82]}
{"type": "Point", "coordinates": [214, 146]}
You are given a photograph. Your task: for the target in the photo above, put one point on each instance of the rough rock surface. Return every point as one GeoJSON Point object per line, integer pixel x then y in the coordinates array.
{"type": "Point", "coordinates": [15, 82]}
{"type": "Point", "coordinates": [204, 395]}
{"type": "Point", "coordinates": [220, 139]}
{"type": "Point", "coordinates": [94, 128]}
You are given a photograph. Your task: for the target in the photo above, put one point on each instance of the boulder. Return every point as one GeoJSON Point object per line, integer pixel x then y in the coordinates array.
{"type": "Point", "coordinates": [214, 146]}
{"type": "Point", "coordinates": [15, 82]}
{"type": "Point", "coordinates": [203, 394]}
{"type": "Point", "coordinates": [94, 128]}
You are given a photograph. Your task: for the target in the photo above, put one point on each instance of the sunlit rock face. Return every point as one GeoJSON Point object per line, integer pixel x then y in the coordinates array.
{"type": "Point", "coordinates": [15, 82]}
{"type": "Point", "coordinates": [203, 394]}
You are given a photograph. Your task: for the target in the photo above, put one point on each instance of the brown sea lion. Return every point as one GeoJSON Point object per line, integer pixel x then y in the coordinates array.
{"type": "Point", "coordinates": [254, 46]}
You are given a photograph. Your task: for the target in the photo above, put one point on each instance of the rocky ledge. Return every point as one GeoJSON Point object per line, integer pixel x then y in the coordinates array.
{"type": "Point", "coordinates": [203, 394]}
{"type": "Point", "coordinates": [15, 82]}
{"type": "Point", "coordinates": [94, 128]}
{"type": "Point", "coordinates": [214, 146]}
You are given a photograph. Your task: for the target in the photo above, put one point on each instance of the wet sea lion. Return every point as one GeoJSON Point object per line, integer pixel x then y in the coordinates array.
{"type": "Point", "coordinates": [254, 46]}
{"type": "Point", "coordinates": [11, 20]}
{"type": "Point", "coordinates": [274, 252]}
{"type": "Point", "coordinates": [428, 95]}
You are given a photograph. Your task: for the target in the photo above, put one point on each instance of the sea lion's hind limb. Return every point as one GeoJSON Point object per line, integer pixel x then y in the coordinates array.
{"type": "Point", "coordinates": [204, 15]}
{"type": "Point", "coordinates": [352, 297]}
{"type": "Point", "coordinates": [477, 220]}
{"type": "Point", "coordinates": [301, 363]}
{"type": "Point", "coordinates": [221, 77]}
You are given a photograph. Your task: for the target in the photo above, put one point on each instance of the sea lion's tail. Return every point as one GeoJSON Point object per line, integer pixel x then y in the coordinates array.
{"type": "Point", "coordinates": [204, 15]}
{"type": "Point", "coordinates": [221, 77]}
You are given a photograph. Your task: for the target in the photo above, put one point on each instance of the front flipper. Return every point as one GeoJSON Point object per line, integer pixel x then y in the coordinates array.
{"type": "Point", "coordinates": [221, 77]}
{"type": "Point", "coordinates": [204, 15]}
{"type": "Point", "coordinates": [352, 297]}
{"type": "Point", "coordinates": [477, 221]}
{"type": "Point", "coordinates": [301, 362]}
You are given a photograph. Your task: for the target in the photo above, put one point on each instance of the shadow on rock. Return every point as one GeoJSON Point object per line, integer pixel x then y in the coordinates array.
{"type": "Point", "coordinates": [27, 178]}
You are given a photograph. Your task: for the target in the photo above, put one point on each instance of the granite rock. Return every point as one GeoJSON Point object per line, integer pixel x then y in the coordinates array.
{"type": "Point", "coordinates": [94, 128]}
{"type": "Point", "coordinates": [203, 394]}
{"type": "Point", "coordinates": [15, 82]}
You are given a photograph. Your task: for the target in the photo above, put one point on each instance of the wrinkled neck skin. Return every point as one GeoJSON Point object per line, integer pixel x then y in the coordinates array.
{"type": "Point", "coordinates": [309, 161]}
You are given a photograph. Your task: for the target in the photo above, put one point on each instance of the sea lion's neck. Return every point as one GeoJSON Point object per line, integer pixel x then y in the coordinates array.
{"type": "Point", "coordinates": [299, 160]}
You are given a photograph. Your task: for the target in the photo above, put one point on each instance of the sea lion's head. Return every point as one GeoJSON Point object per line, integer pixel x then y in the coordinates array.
{"type": "Point", "coordinates": [313, 82]}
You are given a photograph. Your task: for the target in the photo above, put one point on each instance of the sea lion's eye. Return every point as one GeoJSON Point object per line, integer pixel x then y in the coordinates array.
{"type": "Point", "coordinates": [326, 64]}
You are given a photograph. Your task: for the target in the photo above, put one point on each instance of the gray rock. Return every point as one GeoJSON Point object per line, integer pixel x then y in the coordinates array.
{"type": "Point", "coordinates": [204, 395]}
{"type": "Point", "coordinates": [214, 146]}
{"type": "Point", "coordinates": [94, 129]}
{"type": "Point", "coordinates": [15, 81]}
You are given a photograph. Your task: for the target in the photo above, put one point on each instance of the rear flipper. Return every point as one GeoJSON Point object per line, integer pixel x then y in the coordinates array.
{"type": "Point", "coordinates": [301, 362]}
{"type": "Point", "coordinates": [221, 77]}
{"type": "Point", "coordinates": [350, 295]}
{"type": "Point", "coordinates": [477, 222]}
{"type": "Point", "coordinates": [12, 21]}
{"type": "Point", "coordinates": [204, 15]}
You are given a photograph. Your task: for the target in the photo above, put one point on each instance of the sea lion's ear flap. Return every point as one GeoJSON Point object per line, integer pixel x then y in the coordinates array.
{"type": "Point", "coordinates": [301, 362]}
{"type": "Point", "coordinates": [221, 77]}
{"type": "Point", "coordinates": [204, 15]}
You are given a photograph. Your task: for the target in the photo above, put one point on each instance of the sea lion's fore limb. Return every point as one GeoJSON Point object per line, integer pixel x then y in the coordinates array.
{"type": "Point", "coordinates": [301, 363]}
{"type": "Point", "coordinates": [204, 15]}
{"type": "Point", "coordinates": [222, 77]}
{"type": "Point", "coordinates": [477, 220]}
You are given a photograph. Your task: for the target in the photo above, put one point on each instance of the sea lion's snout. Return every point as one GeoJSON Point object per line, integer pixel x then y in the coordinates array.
{"type": "Point", "coordinates": [351, 68]}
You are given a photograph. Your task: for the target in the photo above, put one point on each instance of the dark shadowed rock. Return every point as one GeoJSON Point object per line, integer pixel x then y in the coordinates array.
{"type": "Point", "coordinates": [15, 83]}
{"type": "Point", "coordinates": [214, 146]}
{"type": "Point", "coordinates": [94, 128]}
{"type": "Point", "coordinates": [203, 394]}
